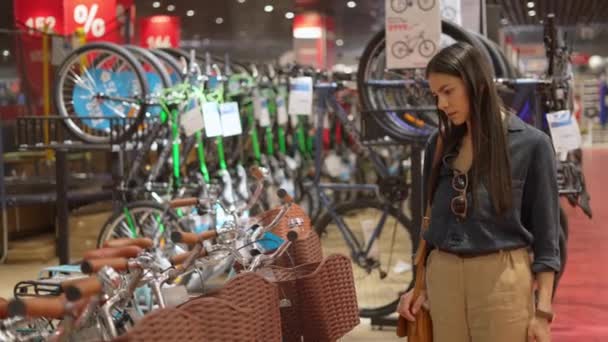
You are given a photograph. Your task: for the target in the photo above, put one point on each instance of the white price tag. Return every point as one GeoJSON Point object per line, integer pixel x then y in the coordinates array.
{"type": "Point", "coordinates": [192, 121]}
{"type": "Point", "coordinates": [264, 113]}
{"type": "Point", "coordinates": [231, 119]}
{"type": "Point", "coordinates": [300, 96]}
{"type": "Point", "coordinates": [211, 117]}
{"type": "Point", "coordinates": [413, 32]}
{"type": "Point", "coordinates": [564, 131]}
{"type": "Point", "coordinates": [281, 111]}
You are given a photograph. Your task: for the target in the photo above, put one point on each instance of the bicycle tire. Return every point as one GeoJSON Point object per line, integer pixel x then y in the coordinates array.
{"type": "Point", "coordinates": [358, 206]}
{"type": "Point", "coordinates": [118, 217]}
{"type": "Point", "coordinates": [500, 68]}
{"type": "Point", "coordinates": [173, 63]}
{"type": "Point", "coordinates": [397, 49]}
{"type": "Point", "coordinates": [426, 7]}
{"type": "Point", "coordinates": [563, 247]}
{"type": "Point", "coordinates": [393, 125]}
{"type": "Point", "coordinates": [154, 62]}
{"type": "Point", "coordinates": [425, 43]}
{"type": "Point", "coordinates": [60, 105]}
{"type": "Point", "coordinates": [401, 6]}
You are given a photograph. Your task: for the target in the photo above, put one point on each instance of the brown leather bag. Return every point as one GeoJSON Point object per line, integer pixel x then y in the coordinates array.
{"type": "Point", "coordinates": [422, 329]}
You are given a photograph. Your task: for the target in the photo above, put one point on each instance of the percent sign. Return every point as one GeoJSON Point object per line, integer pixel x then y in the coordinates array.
{"type": "Point", "coordinates": [86, 16]}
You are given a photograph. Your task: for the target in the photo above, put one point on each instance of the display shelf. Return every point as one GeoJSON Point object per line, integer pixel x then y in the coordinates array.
{"type": "Point", "coordinates": [51, 133]}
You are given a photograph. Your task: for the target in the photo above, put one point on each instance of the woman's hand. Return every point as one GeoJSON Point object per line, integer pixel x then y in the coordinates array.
{"type": "Point", "coordinates": [539, 330]}
{"type": "Point", "coordinates": [407, 309]}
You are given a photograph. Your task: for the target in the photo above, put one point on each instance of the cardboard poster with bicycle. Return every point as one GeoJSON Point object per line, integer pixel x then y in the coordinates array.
{"type": "Point", "coordinates": [413, 32]}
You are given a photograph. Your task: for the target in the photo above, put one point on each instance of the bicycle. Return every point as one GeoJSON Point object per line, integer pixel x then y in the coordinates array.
{"type": "Point", "coordinates": [368, 229]}
{"type": "Point", "coordinates": [400, 6]}
{"type": "Point", "coordinates": [403, 48]}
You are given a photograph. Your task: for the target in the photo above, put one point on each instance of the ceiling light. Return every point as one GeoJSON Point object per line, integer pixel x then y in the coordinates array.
{"type": "Point", "coordinates": [171, 8]}
{"type": "Point", "coordinates": [6, 53]}
{"type": "Point", "coordinates": [156, 4]}
{"type": "Point", "coordinates": [190, 13]}
{"type": "Point", "coordinates": [219, 20]}
{"type": "Point", "coordinates": [268, 8]}
{"type": "Point", "coordinates": [289, 15]}
{"type": "Point", "coordinates": [307, 32]}
{"type": "Point", "coordinates": [530, 4]}
{"type": "Point", "coordinates": [351, 4]}
{"type": "Point", "coordinates": [241, 1]}
{"type": "Point", "coordinates": [531, 13]}
{"type": "Point", "coordinates": [339, 42]}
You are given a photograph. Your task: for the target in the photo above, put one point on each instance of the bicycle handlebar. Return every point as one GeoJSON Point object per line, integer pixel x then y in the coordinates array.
{"type": "Point", "coordinates": [192, 238]}
{"type": "Point", "coordinates": [3, 308]}
{"type": "Point", "coordinates": [183, 202]}
{"type": "Point", "coordinates": [113, 252]}
{"type": "Point", "coordinates": [35, 307]}
{"type": "Point", "coordinates": [84, 287]}
{"type": "Point", "coordinates": [94, 265]}
{"type": "Point", "coordinates": [144, 243]}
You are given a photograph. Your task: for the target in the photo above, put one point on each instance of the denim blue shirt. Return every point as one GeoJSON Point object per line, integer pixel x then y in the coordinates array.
{"type": "Point", "coordinates": [533, 220]}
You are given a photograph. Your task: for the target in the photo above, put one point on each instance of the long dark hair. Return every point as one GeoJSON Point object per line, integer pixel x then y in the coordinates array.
{"type": "Point", "coordinates": [491, 164]}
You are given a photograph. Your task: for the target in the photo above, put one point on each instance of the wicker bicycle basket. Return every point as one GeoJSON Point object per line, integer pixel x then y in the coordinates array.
{"type": "Point", "coordinates": [318, 300]}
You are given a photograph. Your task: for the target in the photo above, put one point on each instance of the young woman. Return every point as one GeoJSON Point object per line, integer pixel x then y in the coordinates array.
{"type": "Point", "coordinates": [494, 222]}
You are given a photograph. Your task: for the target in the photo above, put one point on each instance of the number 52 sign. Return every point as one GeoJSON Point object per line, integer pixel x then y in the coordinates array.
{"type": "Point", "coordinates": [413, 32]}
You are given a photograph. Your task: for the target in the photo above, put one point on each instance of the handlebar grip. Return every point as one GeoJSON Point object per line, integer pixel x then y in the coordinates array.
{"type": "Point", "coordinates": [48, 307]}
{"type": "Point", "coordinates": [85, 287]}
{"type": "Point", "coordinates": [284, 196]}
{"type": "Point", "coordinates": [94, 265]}
{"type": "Point", "coordinates": [144, 243]}
{"type": "Point", "coordinates": [207, 235]}
{"type": "Point", "coordinates": [113, 252]}
{"type": "Point", "coordinates": [191, 238]}
{"type": "Point", "coordinates": [3, 308]}
{"type": "Point", "coordinates": [183, 202]}
{"type": "Point", "coordinates": [185, 238]}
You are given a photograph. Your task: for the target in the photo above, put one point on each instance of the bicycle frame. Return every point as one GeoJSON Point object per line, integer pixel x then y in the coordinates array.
{"type": "Point", "coordinates": [327, 100]}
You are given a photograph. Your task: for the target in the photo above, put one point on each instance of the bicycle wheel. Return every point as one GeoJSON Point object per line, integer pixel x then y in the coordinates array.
{"type": "Point", "coordinates": [563, 247]}
{"type": "Point", "coordinates": [399, 6]}
{"type": "Point", "coordinates": [97, 86]}
{"type": "Point", "coordinates": [427, 48]}
{"type": "Point", "coordinates": [172, 65]}
{"type": "Point", "coordinates": [142, 219]}
{"type": "Point", "coordinates": [426, 5]}
{"type": "Point", "coordinates": [372, 68]}
{"type": "Point", "coordinates": [389, 263]}
{"type": "Point", "coordinates": [399, 50]}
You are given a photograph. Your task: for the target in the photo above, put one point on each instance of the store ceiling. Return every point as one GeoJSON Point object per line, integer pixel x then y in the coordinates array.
{"type": "Point", "coordinates": [567, 12]}
{"type": "Point", "coordinates": [246, 27]}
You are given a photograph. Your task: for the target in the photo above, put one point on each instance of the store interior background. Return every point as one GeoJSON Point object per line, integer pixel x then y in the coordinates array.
{"type": "Point", "coordinates": [248, 30]}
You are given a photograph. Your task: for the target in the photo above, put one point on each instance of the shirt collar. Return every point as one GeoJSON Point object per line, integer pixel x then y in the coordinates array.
{"type": "Point", "coordinates": [515, 124]}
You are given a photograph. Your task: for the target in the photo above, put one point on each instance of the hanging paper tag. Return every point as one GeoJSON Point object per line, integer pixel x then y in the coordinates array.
{"type": "Point", "coordinates": [231, 119]}
{"type": "Point", "coordinates": [564, 129]}
{"type": "Point", "coordinates": [300, 96]}
{"type": "Point", "coordinates": [211, 117]}
{"type": "Point", "coordinates": [192, 121]}
{"type": "Point", "coordinates": [264, 113]}
{"type": "Point", "coordinates": [281, 111]}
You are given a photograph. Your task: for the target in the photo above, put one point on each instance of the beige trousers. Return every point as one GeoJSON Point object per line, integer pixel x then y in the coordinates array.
{"type": "Point", "coordinates": [482, 299]}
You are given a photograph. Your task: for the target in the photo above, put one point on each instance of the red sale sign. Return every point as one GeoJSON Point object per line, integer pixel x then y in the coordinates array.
{"type": "Point", "coordinates": [159, 31]}
{"type": "Point", "coordinates": [96, 17]}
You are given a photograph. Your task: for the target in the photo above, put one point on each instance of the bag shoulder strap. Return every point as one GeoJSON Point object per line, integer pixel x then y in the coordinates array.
{"type": "Point", "coordinates": [426, 219]}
